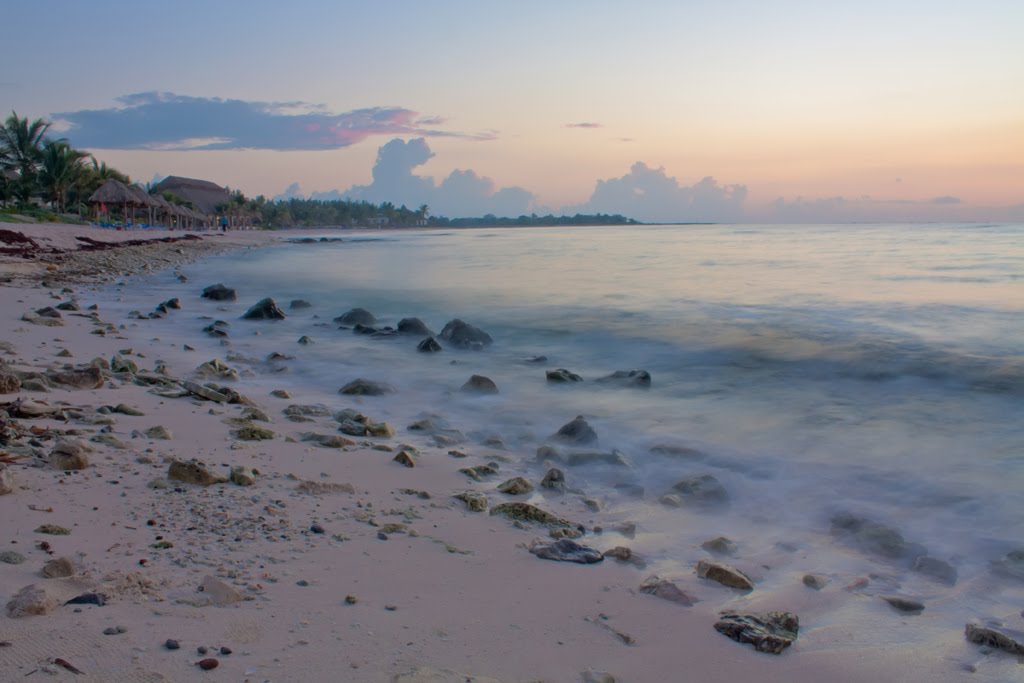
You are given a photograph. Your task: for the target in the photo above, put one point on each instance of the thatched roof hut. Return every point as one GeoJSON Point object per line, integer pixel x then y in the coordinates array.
{"type": "Point", "coordinates": [115, 192]}
{"type": "Point", "coordinates": [203, 194]}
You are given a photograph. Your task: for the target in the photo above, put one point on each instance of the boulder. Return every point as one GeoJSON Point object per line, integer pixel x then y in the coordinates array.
{"type": "Point", "coordinates": [479, 472]}
{"type": "Point", "coordinates": [302, 413]}
{"type": "Point", "coordinates": [578, 432]}
{"type": "Point", "coordinates": [719, 546]}
{"type": "Point", "coordinates": [414, 326]}
{"type": "Point", "coordinates": [356, 316]}
{"type": "Point", "coordinates": [79, 378]}
{"type": "Point", "coordinates": [554, 480]}
{"type": "Point", "coordinates": [59, 568]}
{"type": "Point", "coordinates": [405, 458]}
{"type": "Point", "coordinates": [193, 472]}
{"type": "Point", "coordinates": [159, 432]}
{"type": "Point", "coordinates": [874, 537]}
{"type": "Point", "coordinates": [462, 335]}
{"type": "Point", "coordinates": [253, 432]}
{"type": "Point", "coordinates": [243, 476]}
{"type": "Point", "coordinates": [769, 632]}
{"type": "Point", "coordinates": [516, 486]}
{"type": "Point", "coordinates": [70, 454]}
{"type": "Point", "coordinates": [565, 550]}
{"type": "Point", "coordinates": [428, 345]}
{"type": "Point", "coordinates": [305, 340]}
{"type": "Point", "coordinates": [265, 309]}
{"type": "Point", "coordinates": [298, 304]}
{"type": "Point", "coordinates": [666, 590]}
{"type": "Point", "coordinates": [524, 512]}
{"type": "Point", "coordinates": [561, 375]}
{"type": "Point", "coordinates": [364, 387]}
{"type": "Point", "coordinates": [935, 568]}
{"type": "Point", "coordinates": [204, 391]}
{"type": "Point", "coordinates": [7, 483]}
{"type": "Point", "coordinates": [218, 369]}
{"type": "Point", "coordinates": [703, 491]}
{"type": "Point", "coordinates": [724, 574]}
{"type": "Point", "coordinates": [32, 600]}
{"type": "Point", "coordinates": [119, 363]}
{"type": "Point", "coordinates": [628, 378]}
{"type": "Point", "coordinates": [219, 292]}
{"type": "Point", "coordinates": [474, 500]}
{"type": "Point", "coordinates": [478, 384]}
{"type": "Point", "coordinates": [993, 637]}
{"type": "Point", "coordinates": [218, 328]}
{"type": "Point", "coordinates": [328, 440]}
{"type": "Point", "coordinates": [380, 429]}
{"type": "Point", "coordinates": [614, 458]}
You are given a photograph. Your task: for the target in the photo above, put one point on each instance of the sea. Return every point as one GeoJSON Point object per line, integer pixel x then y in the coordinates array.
{"type": "Point", "coordinates": [855, 391]}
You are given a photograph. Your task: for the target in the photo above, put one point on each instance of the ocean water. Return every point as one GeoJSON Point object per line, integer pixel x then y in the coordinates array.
{"type": "Point", "coordinates": [875, 370]}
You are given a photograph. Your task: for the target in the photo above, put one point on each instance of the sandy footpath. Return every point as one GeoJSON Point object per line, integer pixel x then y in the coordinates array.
{"type": "Point", "coordinates": [334, 562]}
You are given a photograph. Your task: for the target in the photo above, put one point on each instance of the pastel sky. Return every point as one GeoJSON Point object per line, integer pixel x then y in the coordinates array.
{"type": "Point", "coordinates": [667, 110]}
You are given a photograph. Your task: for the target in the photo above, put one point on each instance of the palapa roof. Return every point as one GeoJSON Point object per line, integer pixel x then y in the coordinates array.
{"type": "Point", "coordinates": [115, 192]}
{"type": "Point", "coordinates": [203, 194]}
{"type": "Point", "coordinates": [144, 197]}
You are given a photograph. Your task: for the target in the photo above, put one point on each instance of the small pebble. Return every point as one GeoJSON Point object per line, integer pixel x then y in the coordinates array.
{"type": "Point", "coordinates": [172, 644]}
{"type": "Point", "coordinates": [225, 650]}
{"type": "Point", "coordinates": [208, 663]}
{"type": "Point", "coordinates": [391, 608]}
{"type": "Point", "coordinates": [351, 599]}
{"type": "Point", "coordinates": [316, 529]}
{"type": "Point", "coordinates": [202, 649]}
{"type": "Point", "coordinates": [382, 536]}
{"type": "Point", "coordinates": [110, 631]}
{"type": "Point", "coordinates": [302, 582]}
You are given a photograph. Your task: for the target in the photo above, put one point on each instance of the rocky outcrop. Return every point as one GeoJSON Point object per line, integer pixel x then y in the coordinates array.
{"type": "Point", "coordinates": [428, 345]}
{"type": "Point", "coordinates": [414, 326]}
{"type": "Point", "coordinates": [356, 316]}
{"type": "Point", "coordinates": [640, 379]}
{"type": "Point", "coordinates": [462, 335]}
{"type": "Point", "coordinates": [565, 550]}
{"type": "Point", "coordinates": [702, 491]}
{"type": "Point", "coordinates": [577, 432]}
{"type": "Point", "coordinates": [562, 376]}
{"type": "Point", "coordinates": [219, 292]}
{"type": "Point", "coordinates": [365, 387]}
{"type": "Point", "coordinates": [724, 574]}
{"type": "Point", "coordinates": [770, 632]}
{"type": "Point", "coordinates": [193, 472]}
{"type": "Point", "coordinates": [478, 384]}
{"type": "Point", "coordinates": [265, 309]}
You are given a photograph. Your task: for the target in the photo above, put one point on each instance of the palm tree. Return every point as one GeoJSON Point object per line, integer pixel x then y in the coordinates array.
{"type": "Point", "coordinates": [423, 212]}
{"type": "Point", "coordinates": [61, 167]}
{"type": "Point", "coordinates": [21, 145]}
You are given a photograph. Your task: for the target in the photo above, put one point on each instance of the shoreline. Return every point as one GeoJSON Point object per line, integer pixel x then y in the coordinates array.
{"type": "Point", "coordinates": [466, 594]}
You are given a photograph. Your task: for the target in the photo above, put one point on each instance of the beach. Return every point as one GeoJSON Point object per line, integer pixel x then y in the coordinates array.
{"type": "Point", "coordinates": [331, 555]}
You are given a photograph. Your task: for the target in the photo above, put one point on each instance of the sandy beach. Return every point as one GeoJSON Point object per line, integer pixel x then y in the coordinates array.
{"type": "Point", "coordinates": [294, 551]}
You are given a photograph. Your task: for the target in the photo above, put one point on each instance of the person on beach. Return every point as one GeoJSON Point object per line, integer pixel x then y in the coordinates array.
{"type": "Point", "coordinates": [223, 223]}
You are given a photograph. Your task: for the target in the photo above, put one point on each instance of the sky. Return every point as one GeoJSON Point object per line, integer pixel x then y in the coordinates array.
{"type": "Point", "coordinates": [733, 110]}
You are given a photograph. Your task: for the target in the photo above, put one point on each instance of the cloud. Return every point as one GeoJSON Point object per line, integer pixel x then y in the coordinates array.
{"type": "Point", "coordinates": [165, 121]}
{"type": "Point", "coordinates": [946, 199]}
{"type": "Point", "coordinates": [584, 124]}
{"type": "Point", "coordinates": [462, 193]}
{"type": "Point", "coordinates": [650, 195]}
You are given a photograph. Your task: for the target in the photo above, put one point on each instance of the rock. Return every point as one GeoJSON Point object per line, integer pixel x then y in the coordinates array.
{"type": "Point", "coordinates": [314, 410]}
{"type": "Point", "coordinates": [628, 378]}
{"type": "Point", "coordinates": [159, 432]}
{"type": "Point", "coordinates": [84, 378]}
{"type": "Point", "coordinates": [193, 472]}
{"type": "Point", "coordinates": [35, 384]}
{"type": "Point", "coordinates": [320, 488]}
{"type": "Point", "coordinates": [516, 486]}
{"type": "Point", "coordinates": [298, 304]}
{"type": "Point", "coordinates": [252, 413]}
{"type": "Point", "coordinates": [119, 363]}
{"type": "Point", "coordinates": [429, 345]}
{"type": "Point", "coordinates": [11, 557]}
{"type": "Point", "coordinates": [305, 340]}
{"type": "Point", "coordinates": [671, 500]}
{"type": "Point", "coordinates": [219, 292]}
{"type": "Point", "coordinates": [32, 600]}
{"type": "Point", "coordinates": [60, 568]}
{"type": "Point", "coordinates": [219, 593]}
{"type": "Point", "coordinates": [356, 316]}
{"type": "Point", "coordinates": [208, 664]}
{"type": "Point", "coordinates": [98, 599]}
{"type": "Point", "coordinates": [719, 546]}
{"type": "Point", "coordinates": [815, 581]}
{"type": "Point", "coordinates": [53, 530]}
{"type": "Point", "coordinates": [997, 638]}
{"type": "Point", "coordinates": [702, 491]}
{"type": "Point", "coordinates": [614, 458]}
{"type": "Point", "coordinates": [935, 568]}
{"type": "Point", "coordinates": [554, 480]}
{"type": "Point", "coordinates": [352, 428]}
{"type": "Point", "coordinates": [364, 387]}
{"type": "Point", "coordinates": [903, 604]}
{"type": "Point", "coordinates": [405, 458]}
{"type": "Point", "coordinates": [46, 320]}
{"type": "Point", "coordinates": [1011, 565]}
{"type": "Point", "coordinates": [380, 429]}
{"type": "Point", "coordinates": [70, 454]}
{"type": "Point", "coordinates": [7, 483]}
{"type": "Point", "coordinates": [32, 409]}
{"type": "Point", "coordinates": [265, 309]}
{"type": "Point", "coordinates": [725, 575]}
{"type": "Point", "coordinates": [174, 304]}
{"type": "Point", "coordinates": [254, 433]}
{"type": "Point", "coordinates": [479, 472]}
{"type": "Point", "coordinates": [128, 410]}
{"type": "Point", "coordinates": [328, 440]}
{"type": "Point", "coordinates": [462, 335]}
{"type": "Point", "coordinates": [524, 512]}
{"type": "Point", "coordinates": [9, 382]}
{"type": "Point", "coordinates": [478, 384]}
{"type": "Point", "coordinates": [578, 432]}
{"type": "Point", "coordinates": [218, 328]}
{"type": "Point", "coordinates": [172, 644]}
{"type": "Point", "coordinates": [203, 391]}
{"type": "Point", "coordinates": [561, 375]}
{"type": "Point", "coordinates": [548, 453]}
{"type": "Point", "coordinates": [243, 476]}
{"type": "Point", "coordinates": [768, 632]}
{"type": "Point", "coordinates": [280, 393]}
{"type": "Point", "coordinates": [414, 326]}
{"type": "Point", "coordinates": [218, 369]}
{"type": "Point", "coordinates": [565, 550]}
{"type": "Point", "coordinates": [474, 500]}
{"type": "Point", "coordinates": [666, 590]}
{"type": "Point", "coordinates": [873, 537]}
